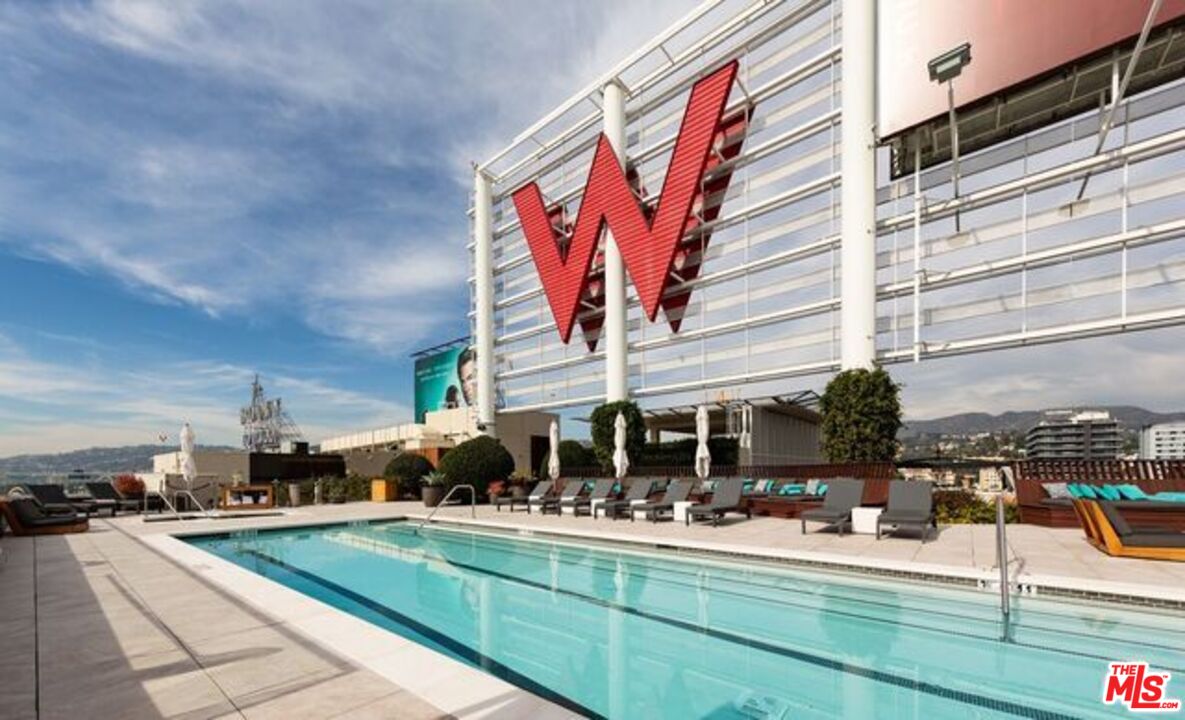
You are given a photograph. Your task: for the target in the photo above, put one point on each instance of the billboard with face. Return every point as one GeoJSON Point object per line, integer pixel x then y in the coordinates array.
{"type": "Point", "coordinates": [444, 380]}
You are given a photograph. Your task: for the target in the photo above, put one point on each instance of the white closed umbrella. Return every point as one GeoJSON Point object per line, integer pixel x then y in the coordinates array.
{"type": "Point", "coordinates": [621, 461]}
{"type": "Point", "coordinates": [553, 462]}
{"type": "Point", "coordinates": [188, 464]}
{"type": "Point", "coordinates": [703, 458]}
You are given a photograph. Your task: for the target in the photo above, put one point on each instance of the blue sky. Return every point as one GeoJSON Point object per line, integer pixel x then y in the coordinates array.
{"type": "Point", "coordinates": [195, 191]}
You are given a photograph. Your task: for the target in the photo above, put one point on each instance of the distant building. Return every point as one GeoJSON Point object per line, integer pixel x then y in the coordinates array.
{"type": "Point", "coordinates": [1164, 441]}
{"type": "Point", "coordinates": [1074, 435]}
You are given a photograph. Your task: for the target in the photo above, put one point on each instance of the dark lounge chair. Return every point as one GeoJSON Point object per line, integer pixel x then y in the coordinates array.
{"type": "Point", "coordinates": [677, 491]}
{"type": "Point", "coordinates": [843, 494]}
{"type": "Point", "coordinates": [1117, 537]}
{"type": "Point", "coordinates": [540, 489]}
{"type": "Point", "coordinates": [911, 504]}
{"type": "Point", "coordinates": [602, 490]}
{"type": "Point", "coordinates": [726, 499]}
{"type": "Point", "coordinates": [26, 517]}
{"type": "Point", "coordinates": [106, 497]}
{"type": "Point", "coordinates": [570, 492]}
{"type": "Point", "coordinates": [639, 490]}
{"type": "Point", "coordinates": [54, 501]}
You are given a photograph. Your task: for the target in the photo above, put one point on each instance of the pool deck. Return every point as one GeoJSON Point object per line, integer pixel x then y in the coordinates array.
{"type": "Point", "coordinates": [123, 622]}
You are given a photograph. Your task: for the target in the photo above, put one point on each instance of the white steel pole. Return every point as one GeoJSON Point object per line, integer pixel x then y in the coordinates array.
{"type": "Point", "coordinates": [483, 266]}
{"type": "Point", "coordinates": [858, 187]}
{"type": "Point", "coordinates": [613, 332]}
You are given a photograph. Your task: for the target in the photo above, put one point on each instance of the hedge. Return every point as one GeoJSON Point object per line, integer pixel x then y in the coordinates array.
{"type": "Point", "coordinates": [477, 462]}
{"type": "Point", "coordinates": [603, 419]}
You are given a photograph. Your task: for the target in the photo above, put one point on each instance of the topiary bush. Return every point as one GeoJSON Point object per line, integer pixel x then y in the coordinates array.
{"type": "Point", "coordinates": [408, 469]}
{"type": "Point", "coordinates": [861, 416]}
{"type": "Point", "coordinates": [572, 455]}
{"type": "Point", "coordinates": [603, 419]}
{"type": "Point", "coordinates": [477, 462]}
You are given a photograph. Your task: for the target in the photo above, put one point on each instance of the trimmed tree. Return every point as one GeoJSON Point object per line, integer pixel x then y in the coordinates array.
{"type": "Point", "coordinates": [861, 416]}
{"type": "Point", "coordinates": [572, 455]}
{"type": "Point", "coordinates": [407, 469]}
{"type": "Point", "coordinates": [603, 419]}
{"type": "Point", "coordinates": [477, 462]}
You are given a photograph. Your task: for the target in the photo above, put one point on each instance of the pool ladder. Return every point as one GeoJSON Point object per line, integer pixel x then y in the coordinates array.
{"type": "Point", "coordinates": [1002, 561]}
{"type": "Point", "coordinates": [443, 500]}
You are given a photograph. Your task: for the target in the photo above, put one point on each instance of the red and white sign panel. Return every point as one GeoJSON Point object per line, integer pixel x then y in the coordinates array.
{"type": "Point", "coordinates": [1012, 41]}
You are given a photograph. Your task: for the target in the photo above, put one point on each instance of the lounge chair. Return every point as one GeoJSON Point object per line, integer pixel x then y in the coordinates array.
{"type": "Point", "coordinates": [602, 490]}
{"type": "Point", "coordinates": [677, 491]}
{"type": "Point", "coordinates": [911, 504]}
{"type": "Point", "coordinates": [106, 497]}
{"type": "Point", "coordinates": [537, 493]}
{"type": "Point", "coordinates": [725, 499]}
{"type": "Point", "coordinates": [54, 501]}
{"type": "Point", "coordinates": [843, 494]}
{"type": "Point", "coordinates": [1118, 538]}
{"type": "Point", "coordinates": [639, 490]}
{"type": "Point", "coordinates": [26, 517]}
{"type": "Point", "coordinates": [570, 492]}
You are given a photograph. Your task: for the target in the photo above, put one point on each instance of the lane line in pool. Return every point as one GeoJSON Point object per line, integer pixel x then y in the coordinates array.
{"type": "Point", "coordinates": [472, 655]}
{"type": "Point", "coordinates": [725, 636]}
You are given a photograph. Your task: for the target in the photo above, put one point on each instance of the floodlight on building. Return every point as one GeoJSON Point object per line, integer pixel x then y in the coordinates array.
{"type": "Point", "coordinates": [944, 69]}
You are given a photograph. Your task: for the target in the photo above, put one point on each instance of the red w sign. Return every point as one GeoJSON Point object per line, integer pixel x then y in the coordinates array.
{"type": "Point", "coordinates": [658, 245]}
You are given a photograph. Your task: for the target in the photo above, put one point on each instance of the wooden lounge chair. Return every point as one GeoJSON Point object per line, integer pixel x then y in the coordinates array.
{"type": "Point", "coordinates": [911, 504]}
{"type": "Point", "coordinates": [602, 490]}
{"type": "Point", "coordinates": [26, 517]}
{"type": "Point", "coordinates": [639, 490]}
{"type": "Point", "coordinates": [678, 491]}
{"type": "Point", "coordinates": [538, 492]}
{"type": "Point", "coordinates": [53, 500]}
{"type": "Point", "coordinates": [106, 497]}
{"type": "Point", "coordinates": [726, 499]}
{"type": "Point", "coordinates": [1118, 538]}
{"type": "Point", "coordinates": [843, 494]}
{"type": "Point", "coordinates": [570, 492]}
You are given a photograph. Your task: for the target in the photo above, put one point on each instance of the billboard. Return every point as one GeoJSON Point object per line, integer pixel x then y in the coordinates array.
{"type": "Point", "coordinates": [444, 380]}
{"type": "Point", "coordinates": [1012, 41]}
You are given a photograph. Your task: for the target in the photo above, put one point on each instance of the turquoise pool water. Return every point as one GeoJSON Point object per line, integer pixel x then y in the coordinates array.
{"type": "Point", "coordinates": [623, 634]}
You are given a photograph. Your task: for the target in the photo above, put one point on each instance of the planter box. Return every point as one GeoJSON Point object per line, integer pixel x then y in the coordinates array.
{"type": "Point", "coordinates": [383, 490]}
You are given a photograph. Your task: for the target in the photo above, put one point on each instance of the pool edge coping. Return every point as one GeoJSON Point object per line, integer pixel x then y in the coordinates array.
{"type": "Point", "coordinates": [449, 685]}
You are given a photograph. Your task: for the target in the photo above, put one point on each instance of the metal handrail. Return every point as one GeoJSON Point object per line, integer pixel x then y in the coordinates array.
{"type": "Point", "coordinates": [449, 494]}
{"type": "Point", "coordinates": [1002, 561]}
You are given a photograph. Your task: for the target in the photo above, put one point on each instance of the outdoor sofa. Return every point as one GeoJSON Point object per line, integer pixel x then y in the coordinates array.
{"type": "Point", "coordinates": [26, 517]}
{"type": "Point", "coordinates": [54, 501]}
{"type": "Point", "coordinates": [1110, 532]}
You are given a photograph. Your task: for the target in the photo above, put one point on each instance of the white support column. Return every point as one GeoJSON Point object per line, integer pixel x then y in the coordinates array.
{"type": "Point", "coordinates": [483, 267]}
{"type": "Point", "coordinates": [613, 332]}
{"type": "Point", "coordinates": [858, 189]}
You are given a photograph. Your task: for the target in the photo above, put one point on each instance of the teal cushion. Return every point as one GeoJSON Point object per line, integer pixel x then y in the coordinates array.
{"type": "Point", "coordinates": [1075, 491]}
{"type": "Point", "coordinates": [1109, 492]}
{"type": "Point", "coordinates": [1132, 492]}
{"type": "Point", "coordinates": [617, 488]}
{"type": "Point", "coordinates": [822, 490]}
{"type": "Point", "coordinates": [1088, 492]}
{"type": "Point", "coordinates": [763, 486]}
{"type": "Point", "coordinates": [790, 489]}
{"type": "Point", "coordinates": [1168, 497]}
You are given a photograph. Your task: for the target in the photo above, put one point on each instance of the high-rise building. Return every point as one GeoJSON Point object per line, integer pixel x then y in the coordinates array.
{"type": "Point", "coordinates": [1074, 435]}
{"type": "Point", "coordinates": [1163, 441]}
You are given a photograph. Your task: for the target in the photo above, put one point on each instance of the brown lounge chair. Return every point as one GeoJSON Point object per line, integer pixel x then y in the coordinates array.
{"type": "Point", "coordinates": [26, 517]}
{"type": "Point", "coordinates": [1110, 532]}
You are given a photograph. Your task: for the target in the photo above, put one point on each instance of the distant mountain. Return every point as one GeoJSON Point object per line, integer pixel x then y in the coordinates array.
{"type": "Point", "coordinates": [129, 458]}
{"type": "Point", "coordinates": [1132, 418]}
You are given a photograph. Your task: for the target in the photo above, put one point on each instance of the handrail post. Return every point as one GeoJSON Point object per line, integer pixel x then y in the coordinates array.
{"type": "Point", "coordinates": [1002, 560]}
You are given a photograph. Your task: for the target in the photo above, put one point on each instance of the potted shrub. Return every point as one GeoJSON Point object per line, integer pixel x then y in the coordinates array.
{"type": "Point", "coordinates": [518, 485]}
{"type": "Point", "coordinates": [335, 490]}
{"type": "Point", "coordinates": [129, 486]}
{"type": "Point", "coordinates": [433, 490]}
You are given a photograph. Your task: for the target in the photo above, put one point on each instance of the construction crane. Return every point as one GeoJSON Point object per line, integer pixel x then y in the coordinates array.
{"type": "Point", "coordinates": [266, 425]}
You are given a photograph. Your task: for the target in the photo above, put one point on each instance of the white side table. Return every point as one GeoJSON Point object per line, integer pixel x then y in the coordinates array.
{"type": "Point", "coordinates": [638, 514]}
{"type": "Point", "coordinates": [864, 520]}
{"type": "Point", "coordinates": [681, 510]}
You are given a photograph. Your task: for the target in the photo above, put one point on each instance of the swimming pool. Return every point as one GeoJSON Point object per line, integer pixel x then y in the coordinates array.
{"type": "Point", "coordinates": [618, 633]}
